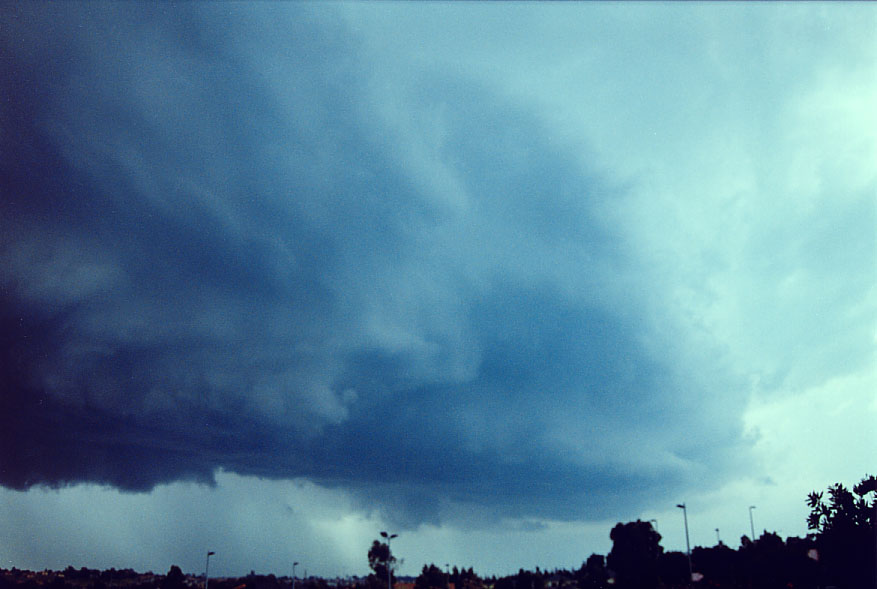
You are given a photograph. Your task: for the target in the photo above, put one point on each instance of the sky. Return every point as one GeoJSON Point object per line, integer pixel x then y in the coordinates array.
{"type": "Point", "coordinates": [493, 277]}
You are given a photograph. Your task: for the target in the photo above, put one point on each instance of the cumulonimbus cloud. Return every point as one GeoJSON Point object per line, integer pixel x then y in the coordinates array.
{"type": "Point", "coordinates": [214, 258]}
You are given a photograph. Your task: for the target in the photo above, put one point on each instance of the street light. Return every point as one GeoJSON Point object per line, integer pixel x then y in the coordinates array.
{"type": "Point", "coordinates": [751, 525]}
{"type": "Point", "coordinates": [654, 527]}
{"type": "Point", "coordinates": [294, 564]}
{"type": "Point", "coordinates": [687, 544]}
{"type": "Point", "coordinates": [207, 567]}
{"type": "Point", "coordinates": [389, 556]}
{"type": "Point", "coordinates": [718, 538]}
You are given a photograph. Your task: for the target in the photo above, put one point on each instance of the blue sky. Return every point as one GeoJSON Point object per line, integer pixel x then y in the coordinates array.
{"type": "Point", "coordinates": [276, 277]}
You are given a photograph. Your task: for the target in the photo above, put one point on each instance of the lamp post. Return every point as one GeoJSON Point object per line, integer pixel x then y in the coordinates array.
{"type": "Point", "coordinates": [655, 526]}
{"type": "Point", "coordinates": [718, 538]}
{"type": "Point", "coordinates": [294, 564]}
{"type": "Point", "coordinates": [389, 556]}
{"type": "Point", "coordinates": [751, 525]}
{"type": "Point", "coordinates": [687, 544]}
{"type": "Point", "coordinates": [207, 567]}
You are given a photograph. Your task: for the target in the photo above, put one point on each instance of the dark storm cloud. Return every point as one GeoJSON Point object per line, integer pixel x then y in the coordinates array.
{"type": "Point", "coordinates": [214, 255]}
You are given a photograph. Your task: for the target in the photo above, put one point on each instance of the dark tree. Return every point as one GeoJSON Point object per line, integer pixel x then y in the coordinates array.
{"type": "Point", "coordinates": [635, 554]}
{"type": "Point", "coordinates": [529, 580]}
{"type": "Point", "coordinates": [382, 562]}
{"type": "Point", "coordinates": [431, 577]}
{"type": "Point", "coordinates": [467, 579]}
{"type": "Point", "coordinates": [593, 574]}
{"type": "Point", "coordinates": [761, 561]}
{"type": "Point", "coordinates": [174, 579]}
{"type": "Point", "coordinates": [802, 571]}
{"type": "Point", "coordinates": [504, 583]}
{"type": "Point", "coordinates": [673, 568]}
{"type": "Point", "coordinates": [846, 533]}
{"type": "Point", "coordinates": [718, 564]}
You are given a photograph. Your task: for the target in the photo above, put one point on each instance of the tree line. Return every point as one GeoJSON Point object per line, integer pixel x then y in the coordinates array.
{"type": "Point", "coordinates": [840, 551]}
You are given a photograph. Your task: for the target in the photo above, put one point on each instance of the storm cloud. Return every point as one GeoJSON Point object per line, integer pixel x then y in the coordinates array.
{"type": "Point", "coordinates": [232, 240]}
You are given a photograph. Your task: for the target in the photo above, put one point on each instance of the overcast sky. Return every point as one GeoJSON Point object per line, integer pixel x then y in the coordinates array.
{"type": "Point", "coordinates": [494, 277]}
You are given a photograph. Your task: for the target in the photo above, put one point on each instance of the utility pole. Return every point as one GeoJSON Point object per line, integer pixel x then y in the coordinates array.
{"type": "Point", "coordinates": [207, 567]}
{"type": "Point", "coordinates": [751, 525]}
{"type": "Point", "coordinates": [687, 543]}
{"type": "Point", "coordinates": [389, 557]}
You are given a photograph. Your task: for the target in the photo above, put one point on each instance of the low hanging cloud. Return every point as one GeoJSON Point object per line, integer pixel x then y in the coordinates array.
{"type": "Point", "coordinates": [227, 246]}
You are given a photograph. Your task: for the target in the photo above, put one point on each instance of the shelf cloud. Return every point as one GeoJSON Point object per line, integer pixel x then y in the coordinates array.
{"type": "Point", "coordinates": [281, 242]}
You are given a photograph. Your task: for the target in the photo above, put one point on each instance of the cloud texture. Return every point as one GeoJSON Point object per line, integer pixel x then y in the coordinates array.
{"type": "Point", "coordinates": [270, 242]}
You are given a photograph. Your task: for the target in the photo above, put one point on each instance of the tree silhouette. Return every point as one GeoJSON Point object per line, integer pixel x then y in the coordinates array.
{"type": "Point", "coordinates": [593, 573]}
{"type": "Point", "coordinates": [762, 561]}
{"type": "Point", "coordinates": [717, 564]}
{"type": "Point", "coordinates": [466, 579]}
{"type": "Point", "coordinates": [846, 533]}
{"type": "Point", "coordinates": [673, 568]}
{"type": "Point", "coordinates": [431, 577]}
{"type": "Point", "coordinates": [529, 579]}
{"type": "Point", "coordinates": [635, 554]}
{"type": "Point", "coordinates": [174, 579]}
{"type": "Point", "coordinates": [382, 562]}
